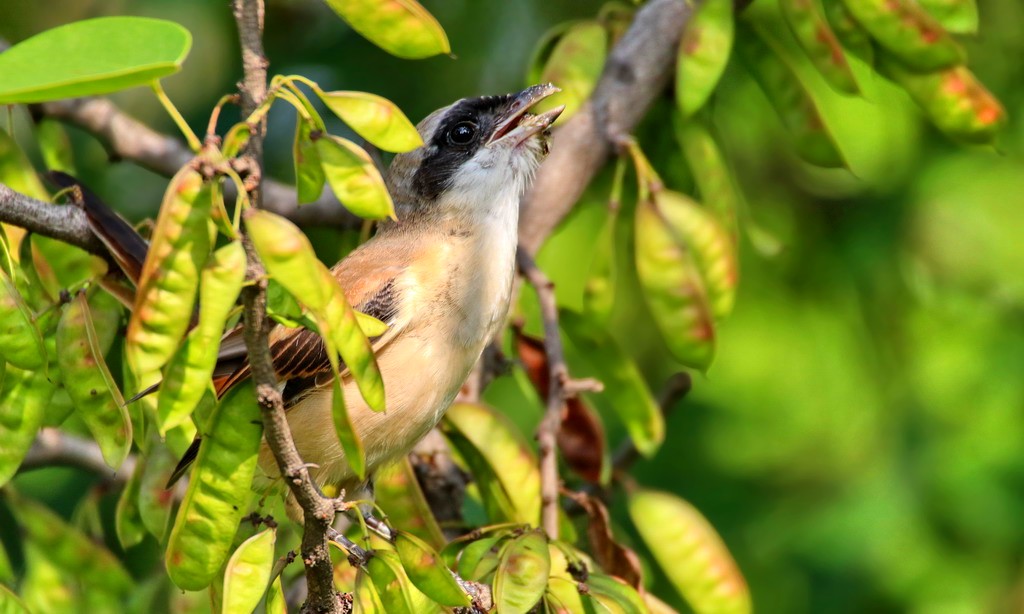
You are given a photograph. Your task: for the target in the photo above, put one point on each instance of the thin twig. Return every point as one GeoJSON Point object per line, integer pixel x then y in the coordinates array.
{"type": "Point", "coordinates": [318, 512]}
{"type": "Point", "coordinates": [53, 448]}
{"type": "Point", "coordinates": [547, 432]}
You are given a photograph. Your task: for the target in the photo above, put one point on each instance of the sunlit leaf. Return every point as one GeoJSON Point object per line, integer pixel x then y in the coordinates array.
{"type": "Point", "coordinates": [376, 119]}
{"type": "Point", "coordinates": [94, 56]}
{"type": "Point", "coordinates": [481, 430]}
{"type": "Point", "coordinates": [522, 573]}
{"type": "Point", "coordinates": [703, 53]}
{"type": "Point", "coordinates": [426, 570]}
{"type": "Point", "coordinates": [401, 27]}
{"type": "Point", "coordinates": [248, 572]}
{"type": "Point", "coordinates": [353, 178]}
{"type": "Point", "coordinates": [690, 553]}
{"type": "Point", "coordinates": [575, 65]}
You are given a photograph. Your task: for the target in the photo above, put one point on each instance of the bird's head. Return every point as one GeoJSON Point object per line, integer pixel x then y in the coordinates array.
{"type": "Point", "coordinates": [478, 153]}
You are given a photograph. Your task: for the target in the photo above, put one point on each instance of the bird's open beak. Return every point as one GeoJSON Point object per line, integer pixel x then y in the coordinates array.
{"type": "Point", "coordinates": [517, 125]}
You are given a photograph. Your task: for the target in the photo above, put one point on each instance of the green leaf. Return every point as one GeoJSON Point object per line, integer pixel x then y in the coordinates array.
{"type": "Point", "coordinates": [479, 559]}
{"type": "Point", "coordinates": [309, 174]}
{"type": "Point", "coordinates": [625, 391]}
{"type": "Point", "coordinates": [424, 567]}
{"type": "Point", "coordinates": [127, 519]}
{"type": "Point", "coordinates": [71, 551]}
{"type": "Point", "coordinates": [703, 54]}
{"type": "Point", "coordinates": [90, 384]}
{"type": "Point", "coordinates": [690, 553]}
{"type": "Point", "coordinates": [55, 146]}
{"type": "Point", "coordinates": [94, 56]}
{"type": "Point", "coordinates": [276, 603]}
{"type": "Point", "coordinates": [21, 344]}
{"type": "Point", "coordinates": [615, 594]}
{"type": "Point", "coordinates": [16, 171]}
{"type": "Point", "coordinates": [248, 573]}
{"type": "Point", "coordinates": [575, 65]}
{"type": "Point", "coordinates": [23, 402]}
{"type": "Point", "coordinates": [376, 119]}
{"type": "Point", "coordinates": [353, 178]}
{"type": "Point", "coordinates": [479, 430]}
{"type": "Point", "coordinates": [401, 27]}
{"type": "Point", "coordinates": [791, 100]}
{"type": "Point", "coordinates": [956, 16]}
{"type": "Point", "coordinates": [396, 490]}
{"type": "Point", "coordinates": [522, 574]}
{"type": "Point", "coordinates": [218, 491]}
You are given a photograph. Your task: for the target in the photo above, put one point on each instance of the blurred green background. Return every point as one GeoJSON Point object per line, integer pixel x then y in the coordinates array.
{"type": "Point", "coordinates": [859, 441]}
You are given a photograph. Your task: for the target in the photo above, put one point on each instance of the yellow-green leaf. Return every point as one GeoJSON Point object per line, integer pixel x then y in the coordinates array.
{"type": "Point", "coordinates": [522, 573]}
{"type": "Point", "coordinates": [401, 27]}
{"type": "Point", "coordinates": [376, 119]}
{"type": "Point", "coordinates": [24, 398]}
{"type": "Point", "coordinates": [690, 553]}
{"type": "Point", "coordinates": [479, 430]}
{"type": "Point", "coordinates": [703, 53]}
{"type": "Point", "coordinates": [309, 173]}
{"type": "Point", "coordinates": [353, 178]}
{"type": "Point", "coordinates": [575, 65]}
{"type": "Point", "coordinates": [248, 573]}
{"type": "Point", "coordinates": [21, 344]}
{"type": "Point", "coordinates": [424, 567]}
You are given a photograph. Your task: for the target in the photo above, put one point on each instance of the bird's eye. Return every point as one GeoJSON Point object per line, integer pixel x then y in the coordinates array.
{"type": "Point", "coordinates": [462, 133]}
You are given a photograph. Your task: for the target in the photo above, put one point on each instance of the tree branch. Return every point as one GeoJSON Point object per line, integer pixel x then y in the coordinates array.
{"type": "Point", "coordinates": [63, 222]}
{"type": "Point", "coordinates": [54, 448]}
{"type": "Point", "coordinates": [318, 512]}
{"type": "Point", "coordinates": [127, 138]}
{"type": "Point", "coordinates": [636, 71]}
{"type": "Point", "coordinates": [547, 432]}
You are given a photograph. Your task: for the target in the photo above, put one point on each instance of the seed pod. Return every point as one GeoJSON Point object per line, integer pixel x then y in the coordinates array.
{"type": "Point", "coordinates": [127, 520]}
{"type": "Point", "coordinates": [170, 276]}
{"type": "Point", "coordinates": [909, 33]}
{"type": "Point", "coordinates": [791, 100]}
{"type": "Point", "coordinates": [674, 288]}
{"type": "Point", "coordinates": [855, 39]}
{"type": "Point", "coordinates": [956, 16]}
{"type": "Point", "coordinates": [820, 43]}
{"type": "Point", "coordinates": [217, 491]}
{"type": "Point", "coordinates": [954, 100]}
{"type": "Point", "coordinates": [703, 54]}
{"type": "Point", "coordinates": [187, 376]}
{"type": "Point", "coordinates": [354, 178]}
{"type": "Point", "coordinates": [89, 383]}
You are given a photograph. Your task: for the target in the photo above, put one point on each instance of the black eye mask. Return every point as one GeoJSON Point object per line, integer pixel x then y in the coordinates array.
{"type": "Point", "coordinates": [461, 132]}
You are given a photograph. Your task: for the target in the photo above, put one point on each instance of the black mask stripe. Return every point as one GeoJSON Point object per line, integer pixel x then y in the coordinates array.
{"type": "Point", "coordinates": [443, 157]}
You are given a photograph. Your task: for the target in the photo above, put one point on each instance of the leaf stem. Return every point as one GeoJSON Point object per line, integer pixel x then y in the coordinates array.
{"type": "Point", "coordinates": [186, 131]}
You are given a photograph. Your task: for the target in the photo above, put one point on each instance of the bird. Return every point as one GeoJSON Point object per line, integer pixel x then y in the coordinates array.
{"type": "Point", "coordinates": [439, 274]}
